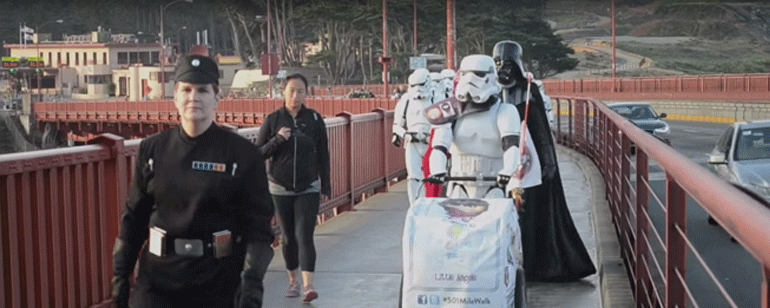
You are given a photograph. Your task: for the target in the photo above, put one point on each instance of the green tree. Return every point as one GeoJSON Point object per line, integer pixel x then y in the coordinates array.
{"type": "Point", "coordinates": [545, 54]}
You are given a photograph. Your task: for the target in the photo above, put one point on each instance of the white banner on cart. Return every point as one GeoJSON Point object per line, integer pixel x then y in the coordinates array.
{"type": "Point", "coordinates": [460, 253]}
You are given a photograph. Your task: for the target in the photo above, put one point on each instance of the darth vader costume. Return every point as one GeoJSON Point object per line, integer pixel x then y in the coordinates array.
{"type": "Point", "coordinates": [553, 250]}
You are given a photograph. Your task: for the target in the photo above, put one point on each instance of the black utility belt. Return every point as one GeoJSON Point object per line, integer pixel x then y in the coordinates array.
{"type": "Point", "coordinates": [220, 245]}
{"type": "Point", "coordinates": [415, 139]}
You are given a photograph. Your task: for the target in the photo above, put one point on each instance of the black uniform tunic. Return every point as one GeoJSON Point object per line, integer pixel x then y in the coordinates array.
{"type": "Point", "coordinates": [191, 188]}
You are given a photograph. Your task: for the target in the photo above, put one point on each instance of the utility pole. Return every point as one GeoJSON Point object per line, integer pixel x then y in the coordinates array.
{"type": "Point", "coordinates": [614, 49]}
{"type": "Point", "coordinates": [269, 54]}
{"type": "Point", "coordinates": [162, 56]}
{"type": "Point", "coordinates": [414, 27]}
{"type": "Point", "coordinates": [451, 36]}
{"type": "Point", "coordinates": [385, 59]}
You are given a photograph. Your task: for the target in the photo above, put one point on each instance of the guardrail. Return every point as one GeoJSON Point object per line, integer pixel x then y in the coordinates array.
{"type": "Point", "coordinates": [738, 87]}
{"type": "Point", "coordinates": [239, 112]}
{"type": "Point", "coordinates": [60, 207]}
{"type": "Point", "coordinates": [607, 138]}
{"type": "Point", "coordinates": [731, 88]}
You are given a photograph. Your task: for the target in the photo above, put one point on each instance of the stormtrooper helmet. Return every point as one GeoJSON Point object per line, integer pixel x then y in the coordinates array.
{"type": "Point", "coordinates": [478, 79]}
{"type": "Point", "coordinates": [420, 84]}
{"type": "Point", "coordinates": [447, 79]}
{"type": "Point", "coordinates": [435, 76]}
{"type": "Point", "coordinates": [507, 56]}
{"type": "Point", "coordinates": [448, 73]}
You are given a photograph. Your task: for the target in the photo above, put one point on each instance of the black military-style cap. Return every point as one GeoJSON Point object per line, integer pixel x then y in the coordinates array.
{"type": "Point", "coordinates": [197, 69]}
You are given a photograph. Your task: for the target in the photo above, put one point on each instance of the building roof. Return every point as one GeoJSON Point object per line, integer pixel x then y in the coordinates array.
{"type": "Point", "coordinates": [228, 60]}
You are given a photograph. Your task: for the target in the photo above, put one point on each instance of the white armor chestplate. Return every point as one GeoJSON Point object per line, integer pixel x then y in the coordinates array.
{"type": "Point", "coordinates": [478, 134]}
{"type": "Point", "coordinates": [416, 121]}
{"type": "Point", "coordinates": [476, 148]}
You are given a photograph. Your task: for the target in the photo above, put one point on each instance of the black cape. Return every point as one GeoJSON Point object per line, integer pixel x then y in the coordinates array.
{"type": "Point", "coordinates": [553, 250]}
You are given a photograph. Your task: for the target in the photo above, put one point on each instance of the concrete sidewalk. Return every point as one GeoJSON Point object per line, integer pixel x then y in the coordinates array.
{"type": "Point", "coordinates": [359, 252]}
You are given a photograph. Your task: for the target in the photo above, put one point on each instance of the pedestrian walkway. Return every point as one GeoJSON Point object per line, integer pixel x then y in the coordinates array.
{"type": "Point", "coordinates": [359, 252]}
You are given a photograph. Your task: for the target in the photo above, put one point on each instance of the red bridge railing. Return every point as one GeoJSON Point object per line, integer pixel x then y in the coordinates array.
{"type": "Point", "coordinates": [739, 87]}
{"type": "Point", "coordinates": [60, 207]}
{"type": "Point", "coordinates": [607, 138]}
{"type": "Point", "coordinates": [239, 112]}
{"type": "Point", "coordinates": [732, 87]}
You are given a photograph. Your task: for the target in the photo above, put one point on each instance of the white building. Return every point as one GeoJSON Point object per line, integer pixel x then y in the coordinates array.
{"type": "Point", "coordinates": [84, 65]}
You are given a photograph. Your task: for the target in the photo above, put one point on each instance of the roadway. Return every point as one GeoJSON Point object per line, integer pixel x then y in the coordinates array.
{"type": "Point", "coordinates": [733, 266]}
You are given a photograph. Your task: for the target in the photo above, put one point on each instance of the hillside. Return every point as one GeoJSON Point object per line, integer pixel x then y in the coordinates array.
{"type": "Point", "coordinates": [687, 38]}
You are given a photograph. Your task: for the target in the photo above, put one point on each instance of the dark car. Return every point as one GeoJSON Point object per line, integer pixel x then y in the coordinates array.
{"type": "Point", "coordinates": [643, 116]}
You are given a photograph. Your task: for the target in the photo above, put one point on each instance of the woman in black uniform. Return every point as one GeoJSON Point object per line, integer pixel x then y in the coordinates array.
{"type": "Point", "coordinates": [294, 138]}
{"type": "Point", "coordinates": [200, 199]}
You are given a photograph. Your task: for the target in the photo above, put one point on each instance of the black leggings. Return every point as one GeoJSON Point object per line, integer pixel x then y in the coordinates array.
{"type": "Point", "coordinates": [297, 217]}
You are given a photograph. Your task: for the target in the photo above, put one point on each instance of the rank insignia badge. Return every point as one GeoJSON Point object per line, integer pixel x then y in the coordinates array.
{"type": "Point", "coordinates": [208, 166]}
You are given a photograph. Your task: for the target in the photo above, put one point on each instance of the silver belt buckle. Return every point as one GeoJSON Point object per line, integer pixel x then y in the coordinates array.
{"type": "Point", "coordinates": [187, 247]}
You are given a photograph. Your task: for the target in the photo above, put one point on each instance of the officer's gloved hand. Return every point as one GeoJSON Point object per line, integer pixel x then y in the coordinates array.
{"type": "Point", "coordinates": [124, 258]}
{"type": "Point", "coordinates": [517, 194]}
{"type": "Point", "coordinates": [326, 190]}
{"type": "Point", "coordinates": [502, 180]}
{"type": "Point", "coordinates": [258, 256]}
{"type": "Point", "coordinates": [439, 178]}
{"type": "Point", "coordinates": [396, 140]}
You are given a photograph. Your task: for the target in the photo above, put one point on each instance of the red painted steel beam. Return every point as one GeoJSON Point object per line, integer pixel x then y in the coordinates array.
{"type": "Point", "coordinates": [642, 227]}
{"type": "Point", "coordinates": [676, 249]}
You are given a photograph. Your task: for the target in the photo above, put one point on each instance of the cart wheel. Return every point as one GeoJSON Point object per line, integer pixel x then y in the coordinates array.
{"type": "Point", "coordinates": [520, 294]}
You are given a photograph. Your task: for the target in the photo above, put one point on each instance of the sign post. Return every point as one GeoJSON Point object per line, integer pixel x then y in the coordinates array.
{"type": "Point", "coordinates": [269, 63]}
{"type": "Point", "coordinates": [417, 62]}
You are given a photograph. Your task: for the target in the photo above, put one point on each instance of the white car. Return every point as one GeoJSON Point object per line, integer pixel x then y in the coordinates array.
{"type": "Point", "coordinates": [742, 157]}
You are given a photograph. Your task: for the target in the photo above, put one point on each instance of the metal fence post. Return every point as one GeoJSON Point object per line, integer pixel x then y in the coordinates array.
{"type": "Point", "coordinates": [384, 163]}
{"type": "Point", "coordinates": [765, 300]}
{"type": "Point", "coordinates": [676, 249]}
{"type": "Point", "coordinates": [351, 156]}
{"type": "Point", "coordinates": [114, 177]}
{"type": "Point", "coordinates": [641, 243]}
{"type": "Point", "coordinates": [624, 206]}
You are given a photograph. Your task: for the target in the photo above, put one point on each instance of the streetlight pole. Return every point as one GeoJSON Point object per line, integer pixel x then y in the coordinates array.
{"type": "Point", "coordinates": [414, 28]}
{"type": "Point", "coordinates": [179, 38]}
{"type": "Point", "coordinates": [162, 74]}
{"type": "Point", "coordinates": [269, 55]}
{"type": "Point", "coordinates": [37, 52]}
{"type": "Point", "coordinates": [451, 35]}
{"type": "Point", "coordinates": [385, 60]}
{"type": "Point", "coordinates": [614, 49]}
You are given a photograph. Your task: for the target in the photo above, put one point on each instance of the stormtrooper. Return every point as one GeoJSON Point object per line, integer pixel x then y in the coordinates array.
{"type": "Point", "coordinates": [554, 252]}
{"type": "Point", "coordinates": [412, 129]}
{"type": "Point", "coordinates": [445, 86]}
{"type": "Point", "coordinates": [435, 86]}
{"type": "Point", "coordinates": [481, 133]}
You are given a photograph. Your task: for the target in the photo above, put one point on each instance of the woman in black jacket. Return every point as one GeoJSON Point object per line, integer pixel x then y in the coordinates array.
{"type": "Point", "coordinates": [294, 139]}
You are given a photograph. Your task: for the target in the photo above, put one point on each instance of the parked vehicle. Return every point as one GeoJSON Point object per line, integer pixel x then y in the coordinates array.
{"type": "Point", "coordinates": [645, 117]}
{"type": "Point", "coordinates": [742, 157]}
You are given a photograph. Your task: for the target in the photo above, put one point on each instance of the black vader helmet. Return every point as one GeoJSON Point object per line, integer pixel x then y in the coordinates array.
{"type": "Point", "coordinates": [507, 56]}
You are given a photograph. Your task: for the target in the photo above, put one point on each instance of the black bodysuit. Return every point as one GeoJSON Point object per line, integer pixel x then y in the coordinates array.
{"type": "Point", "coordinates": [191, 188]}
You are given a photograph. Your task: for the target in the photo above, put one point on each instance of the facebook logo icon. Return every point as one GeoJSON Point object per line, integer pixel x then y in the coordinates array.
{"type": "Point", "coordinates": [422, 299]}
